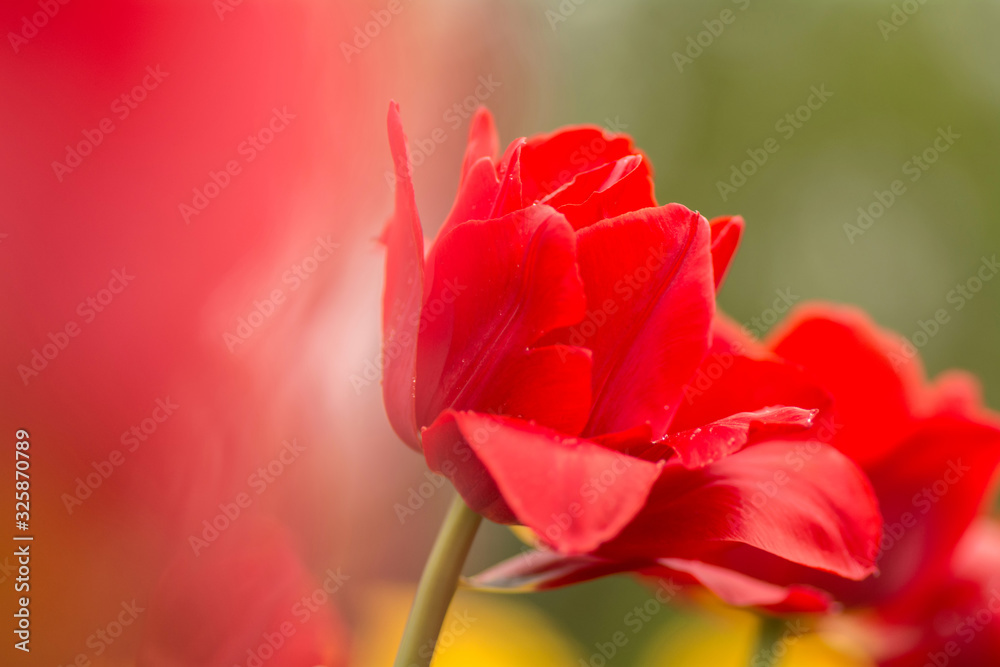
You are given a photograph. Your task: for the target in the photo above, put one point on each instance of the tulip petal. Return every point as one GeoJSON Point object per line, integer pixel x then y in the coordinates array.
{"type": "Point", "coordinates": [510, 198]}
{"type": "Point", "coordinates": [535, 570]}
{"type": "Point", "coordinates": [740, 590]}
{"type": "Point", "coordinates": [476, 196]}
{"type": "Point", "coordinates": [483, 141]}
{"type": "Point", "coordinates": [726, 233]}
{"type": "Point", "coordinates": [404, 284]}
{"type": "Point", "coordinates": [448, 453]}
{"type": "Point", "coordinates": [549, 385]}
{"type": "Point", "coordinates": [874, 376]}
{"type": "Point", "coordinates": [610, 190]}
{"type": "Point", "coordinates": [634, 438]}
{"type": "Point", "coordinates": [803, 502]}
{"type": "Point", "coordinates": [498, 286]}
{"type": "Point", "coordinates": [479, 186]}
{"type": "Point", "coordinates": [574, 494]}
{"type": "Point", "coordinates": [953, 392]}
{"type": "Point", "coordinates": [740, 375]}
{"type": "Point", "coordinates": [648, 274]}
{"type": "Point", "coordinates": [552, 160]}
{"type": "Point", "coordinates": [707, 444]}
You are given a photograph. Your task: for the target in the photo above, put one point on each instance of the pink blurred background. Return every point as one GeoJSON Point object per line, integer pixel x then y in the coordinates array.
{"type": "Point", "coordinates": [298, 216]}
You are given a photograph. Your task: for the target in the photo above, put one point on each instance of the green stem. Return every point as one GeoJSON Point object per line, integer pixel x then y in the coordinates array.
{"type": "Point", "coordinates": [769, 639]}
{"type": "Point", "coordinates": [437, 585]}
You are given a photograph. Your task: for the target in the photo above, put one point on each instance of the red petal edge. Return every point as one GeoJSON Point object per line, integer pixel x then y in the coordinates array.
{"type": "Point", "coordinates": [404, 279]}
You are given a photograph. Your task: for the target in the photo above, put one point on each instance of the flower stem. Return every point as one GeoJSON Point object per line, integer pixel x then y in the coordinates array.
{"type": "Point", "coordinates": [769, 636]}
{"type": "Point", "coordinates": [437, 585]}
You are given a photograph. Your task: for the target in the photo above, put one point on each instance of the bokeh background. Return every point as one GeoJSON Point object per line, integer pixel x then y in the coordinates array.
{"type": "Point", "coordinates": [698, 84]}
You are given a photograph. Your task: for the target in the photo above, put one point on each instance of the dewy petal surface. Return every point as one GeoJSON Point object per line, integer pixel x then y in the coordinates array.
{"type": "Point", "coordinates": [717, 440]}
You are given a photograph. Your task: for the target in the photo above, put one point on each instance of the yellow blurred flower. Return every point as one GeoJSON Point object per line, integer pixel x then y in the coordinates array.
{"type": "Point", "coordinates": [728, 638]}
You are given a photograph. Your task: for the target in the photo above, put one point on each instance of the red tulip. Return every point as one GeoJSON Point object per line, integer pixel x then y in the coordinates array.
{"type": "Point", "coordinates": [541, 355]}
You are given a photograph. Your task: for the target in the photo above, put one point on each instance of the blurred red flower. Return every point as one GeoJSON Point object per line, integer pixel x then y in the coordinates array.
{"type": "Point", "coordinates": [957, 621]}
{"type": "Point", "coordinates": [931, 451]}
{"type": "Point", "coordinates": [541, 353]}
{"type": "Point", "coordinates": [247, 602]}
